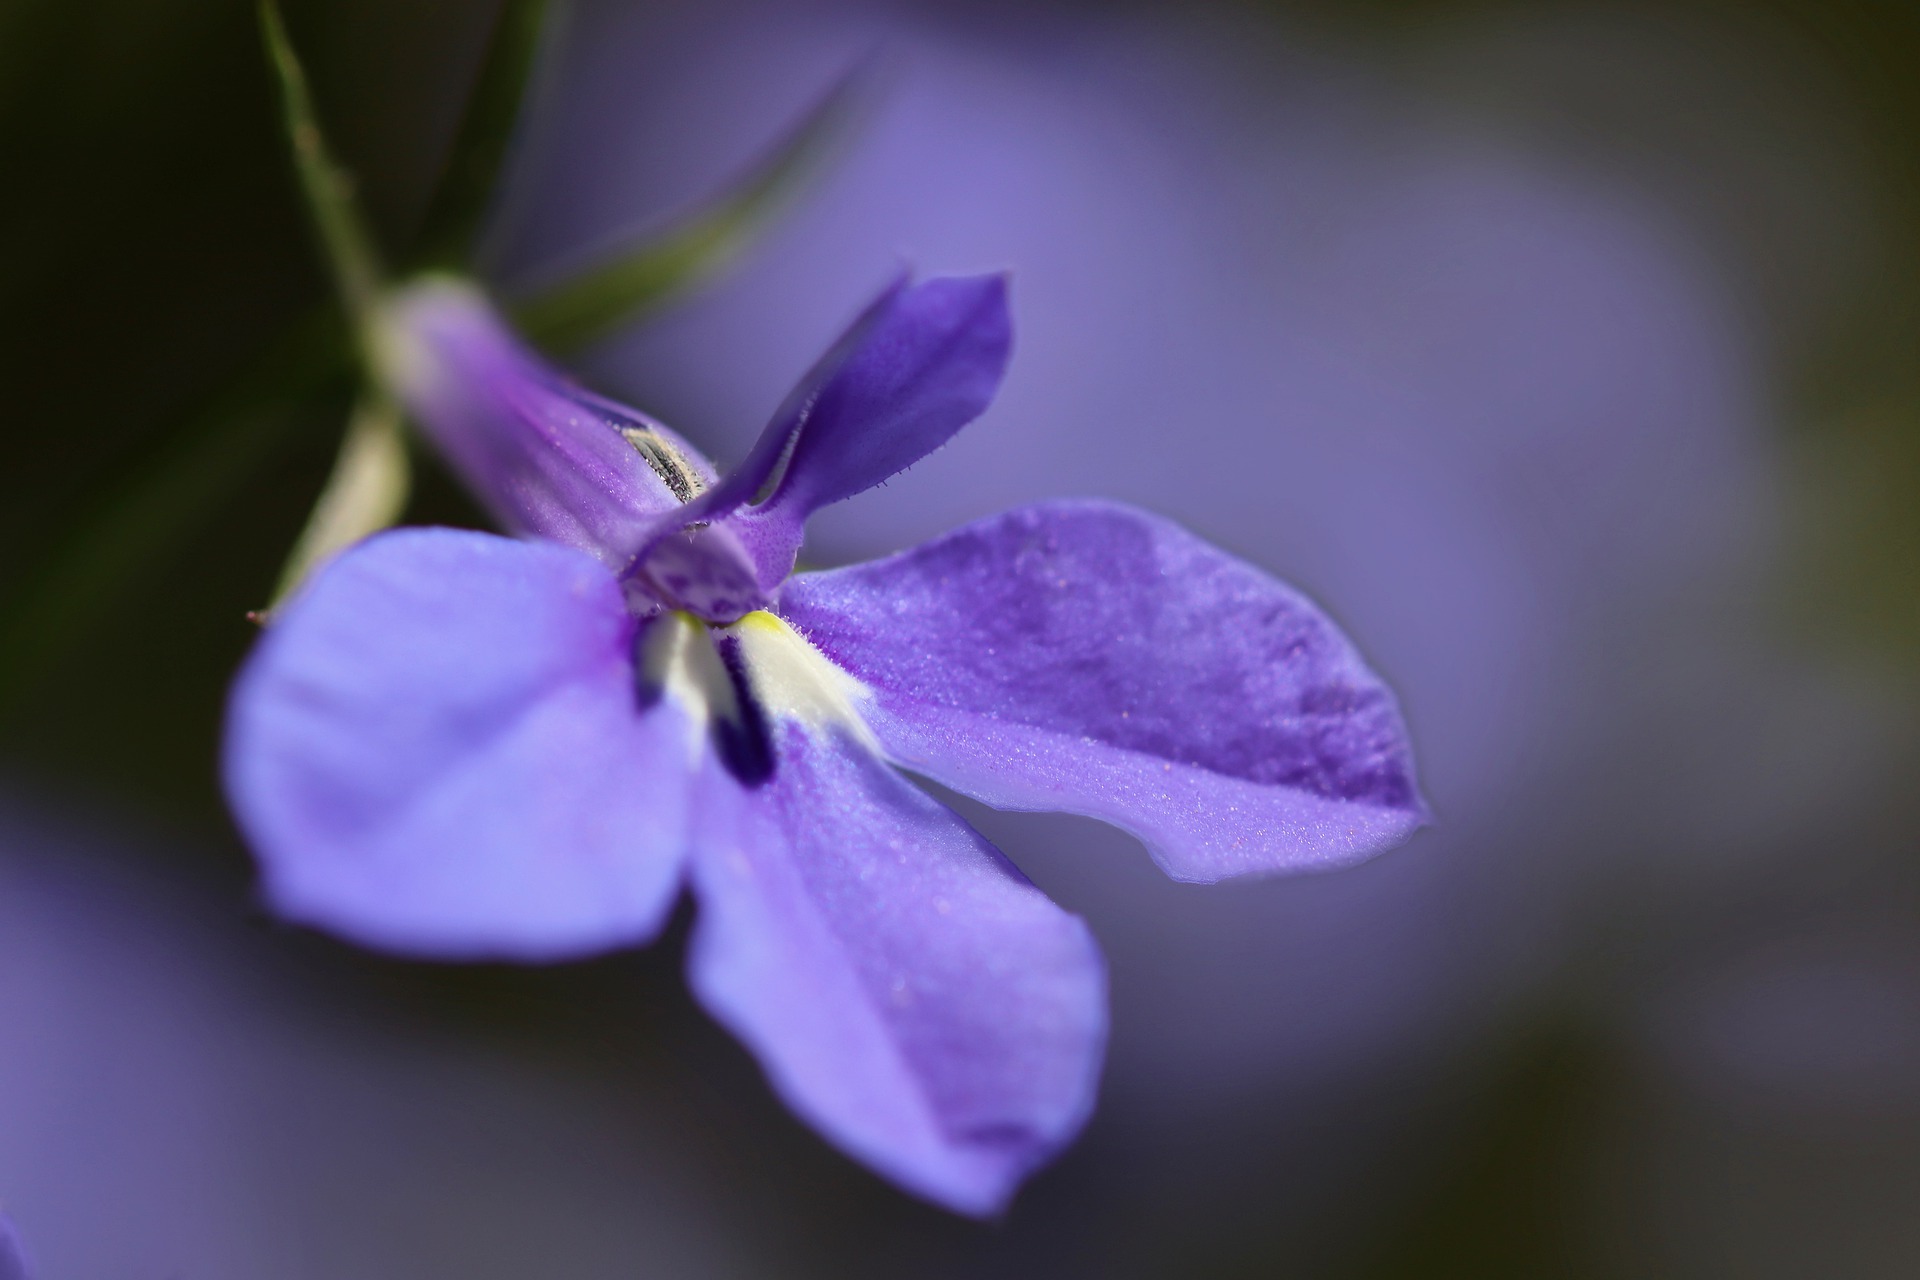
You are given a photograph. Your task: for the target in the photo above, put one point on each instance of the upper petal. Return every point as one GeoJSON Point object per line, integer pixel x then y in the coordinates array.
{"type": "Point", "coordinates": [437, 749]}
{"type": "Point", "coordinates": [925, 362]}
{"type": "Point", "coordinates": [921, 362]}
{"type": "Point", "coordinates": [908, 991]}
{"type": "Point", "coordinates": [545, 456]}
{"type": "Point", "coordinates": [1089, 657]}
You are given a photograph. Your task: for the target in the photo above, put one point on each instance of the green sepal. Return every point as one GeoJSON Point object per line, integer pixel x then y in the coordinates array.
{"type": "Point", "coordinates": [465, 190]}
{"type": "Point", "coordinates": [325, 185]}
{"type": "Point", "coordinates": [365, 493]}
{"type": "Point", "coordinates": [621, 284]}
{"type": "Point", "coordinates": [371, 477]}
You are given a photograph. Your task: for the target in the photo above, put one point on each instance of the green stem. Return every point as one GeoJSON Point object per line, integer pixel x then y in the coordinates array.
{"type": "Point", "coordinates": [328, 189]}
{"type": "Point", "coordinates": [615, 287]}
{"type": "Point", "coordinates": [470, 172]}
{"type": "Point", "coordinates": [365, 493]}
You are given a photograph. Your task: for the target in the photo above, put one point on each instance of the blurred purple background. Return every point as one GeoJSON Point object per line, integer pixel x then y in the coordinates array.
{"type": "Point", "coordinates": [1489, 331]}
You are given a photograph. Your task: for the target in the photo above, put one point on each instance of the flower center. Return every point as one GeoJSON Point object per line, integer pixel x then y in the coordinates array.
{"type": "Point", "coordinates": [736, 682]}
{"type": "Point", "coordinates": [704, 570]}
{"type": "Point", "coordinates": [675, 656]}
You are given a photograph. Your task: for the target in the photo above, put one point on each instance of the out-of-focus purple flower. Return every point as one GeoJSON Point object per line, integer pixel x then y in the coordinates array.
{"type": "Point", "coordinates": [13, 1255]}
{"type": "Point", "coordinates": [459, 745]}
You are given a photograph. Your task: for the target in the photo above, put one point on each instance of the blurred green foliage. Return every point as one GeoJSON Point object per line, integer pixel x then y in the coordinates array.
{"type": "Point", "coordinates": [609, 287]}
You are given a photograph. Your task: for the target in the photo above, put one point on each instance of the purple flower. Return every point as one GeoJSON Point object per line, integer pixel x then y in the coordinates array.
{"type": "Point", "coordinates": [458, 745]}
{"type": "Point", "coordinates": [13, 1255]}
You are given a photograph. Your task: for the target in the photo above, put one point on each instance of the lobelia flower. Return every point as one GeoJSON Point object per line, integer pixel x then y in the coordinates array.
{"type": "Point", "coordinates": [459, 745]}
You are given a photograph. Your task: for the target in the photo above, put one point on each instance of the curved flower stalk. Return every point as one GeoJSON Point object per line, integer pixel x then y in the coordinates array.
{"type": "Point", "coordinates": [458, 745]}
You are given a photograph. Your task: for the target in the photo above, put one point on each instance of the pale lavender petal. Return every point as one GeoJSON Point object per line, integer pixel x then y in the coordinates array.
{"type": "Point", "coordinates": [438, 749]}
{"type": "Point", "coordinates": [1089, 657]}
{"type": "Point", "coordinates": [908, 992]}
{"type": "Point", "coordinates": [545, 456]}
{"type": "Point", "coordinates": [920, 363]}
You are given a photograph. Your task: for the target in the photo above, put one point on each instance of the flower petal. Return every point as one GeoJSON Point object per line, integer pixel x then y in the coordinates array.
{"type": "Point", "coordinates": [920, 363]}
{"type": "Point", "coordinates": [1089, 657]}
{"type": "Point", "coordinates": [545, 456]}
{"type": "Point", "coordinates": [909, 993]}
{"type": "Point", "coordinates": [928, 363]}
{"type": "Point", "coordinates": [438, 750]}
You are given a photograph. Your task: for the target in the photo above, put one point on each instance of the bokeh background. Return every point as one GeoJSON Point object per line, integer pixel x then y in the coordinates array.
{"type": "Point", "coordinates": [1565, 351]}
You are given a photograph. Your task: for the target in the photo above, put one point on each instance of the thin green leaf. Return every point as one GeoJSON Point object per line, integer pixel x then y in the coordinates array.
{"type": "Point", "coordinates": [326, 186]}
{"type": "Point", "coordinates": [149, 516]}
{"type": "Point", "coordinates": [618, 285]}
{"type": "Point", "coordinates": [365, 494]}
{"type": "Point", "coordinates": [472, 167]}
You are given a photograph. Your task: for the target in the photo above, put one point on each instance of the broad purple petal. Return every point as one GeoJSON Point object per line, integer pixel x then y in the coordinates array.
{"type": "Point", "coordinates": [757, 469]}
{"type": "Point", "coordinates": [437, 749]}
{"type": "Point", "coordinates": [545, 456]}
{"type": "Point", "coordinates": [925, 366]}
{"type": "Point", "coordinates": [920, 363]}
{"type": "Point", "coordinates": [909, 993]}
{"type": "Point", "coordinates": [1089, 657]}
